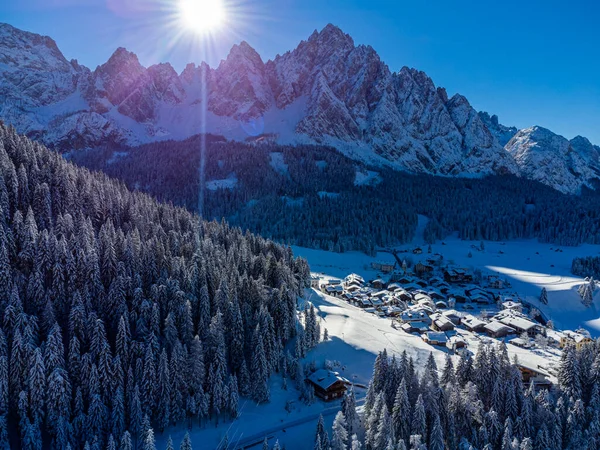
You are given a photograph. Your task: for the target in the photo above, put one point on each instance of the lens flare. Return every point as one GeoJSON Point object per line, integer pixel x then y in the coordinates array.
{"type": "Point", "coordinates": [202, 16]}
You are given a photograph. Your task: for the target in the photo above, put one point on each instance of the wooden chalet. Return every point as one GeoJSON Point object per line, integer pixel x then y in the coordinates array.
{"type": "Point", "coordinates": [457, 275]}
{"type": "Point", "coordinates": [328, 385]}
{"type": "Point", "coordinates": [531, 372]}
{"type": "Point", "coordinates": [385, 267]}
{"type": "Point", "coordinates": [435, 338]}
{"type": "Point", "coordinates": [497, 329]}
{"type": "Point", "coordinates": [423, 269]}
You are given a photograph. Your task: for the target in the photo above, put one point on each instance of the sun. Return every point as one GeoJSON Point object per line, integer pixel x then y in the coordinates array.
{"type": "Point", "coordinates": [202, 16]}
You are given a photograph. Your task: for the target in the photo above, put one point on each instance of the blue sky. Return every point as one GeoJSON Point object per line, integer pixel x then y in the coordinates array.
{"type": "Point", "coordinates": [531, 62]}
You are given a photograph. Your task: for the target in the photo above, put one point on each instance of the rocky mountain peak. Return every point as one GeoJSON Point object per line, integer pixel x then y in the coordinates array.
{"type": "Point", "coordinates": [326, 90]}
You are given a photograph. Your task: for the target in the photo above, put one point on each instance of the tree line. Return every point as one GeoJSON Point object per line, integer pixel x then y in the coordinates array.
{"type": "Point", "coordinates": [481, 403]}
{"type": "Point", "coordinates": [120, 315]}
{"type": "Point", "coordinates": [315, 202]}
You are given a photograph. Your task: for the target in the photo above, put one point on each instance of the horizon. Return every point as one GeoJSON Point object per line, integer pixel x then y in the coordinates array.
{"type": "Point", "coordinates": [542, 93]}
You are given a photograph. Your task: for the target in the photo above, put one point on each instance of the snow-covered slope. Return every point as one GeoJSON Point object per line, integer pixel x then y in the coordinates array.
{"type": "Point", "coordinates": [327, 90]}
{"type": "Point", "coordinates": [551, 159]}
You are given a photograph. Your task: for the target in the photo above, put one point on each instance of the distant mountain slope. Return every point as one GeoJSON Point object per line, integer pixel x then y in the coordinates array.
{"type": "Point", "coordinates": [328, 90]}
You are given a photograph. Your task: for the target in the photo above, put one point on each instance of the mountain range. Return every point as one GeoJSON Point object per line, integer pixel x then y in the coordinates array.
{"type": "Point", "coordinates": [326, 91]}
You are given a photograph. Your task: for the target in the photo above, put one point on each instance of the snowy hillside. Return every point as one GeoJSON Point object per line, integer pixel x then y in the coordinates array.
{"type": "Point", "coordinates": [328, 90]}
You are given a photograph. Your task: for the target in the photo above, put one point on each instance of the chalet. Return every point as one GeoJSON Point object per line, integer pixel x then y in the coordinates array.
{"type": "Point", "coordinates": [481, 299]}
{"type": "Point", "coordinates": [520, 342]}
{"type": "Point", "coordinates": [422, 283]}
{"type": "Point", "coordinates": [415, 327]}
{"type": "Point", "coordinates": [435, 338]}
{"type": "Point", "coordinates": [455, 342]}
{"type": "Point", "coordinates": [334, 291]}
{"type": "Point", "coordinates": [435, 259]}
{"type": "Point", "coordinates": [411, 287]}
{"type": "Point", "coordinates": [472, 323]}
{"type": "Point", "coordinates": [354, 279]}
{"type": "Point", "coordinates": [420, 296]}
{"type": "Point", "coordinates": [417, 250]}
{"type": "Point", "coordinates": [403, 279]}
{"type": "Point", "coordinates": [352, 288]}
{"type": "Point", "coordinates": [473, 291]}
{"type": "Point", "coordinates": [328, 385]}
{"type": "Point", "coordinates": [441, 304]}
{"type": "Point", "coordinates": [520, 324]}
{"type": "Point", "coordinates": [363, 302]}
{"type": "Point", "coordinates": [458, 295]}
{"type": "Point", "coordinates": [394, 287]}
{"type": "Point", "coordinates": [436, 295]}
{"type": "Point", "coordinates": [494, 282]}
{"type": "Point", "coordinates": [333, 282]}
{"type": "Point", "coordinates": [414, 315]}
{"type": "Point", "coordinates": [497, 329]}
{"type": "Point", "coordinates": [453, 315]}
{"type": "Point", "coordinates": [377, 302]}
{"type": "Point", "coordinates": [422, 269]}
{"type": "Point", "coordinates": [403, 295]}
{"type": "Point", "coordinates": [435, 281]}
{"type": "Point", "coordinates": [577, 339]}
{"type": "Point", "coordinates": [378, 283]}
{"type": "Point", "coordinates": [457, 275]}
{"type": "Point", "coordinates": [314, 281]}
{"type": "Point", "coordinates": [512, 306]}
{"type": "Point", "coordinates": [393, 311]}
{"type": "Point", "coordinates": [535, 373]}
{"type": "Point", "coordinates": [385, 267]}
{"type": "Point", "coordinates": [439, 322]}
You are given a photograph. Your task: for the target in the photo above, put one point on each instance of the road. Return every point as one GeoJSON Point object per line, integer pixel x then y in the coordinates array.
{"type": "Point", "coordinates": [258, 438]}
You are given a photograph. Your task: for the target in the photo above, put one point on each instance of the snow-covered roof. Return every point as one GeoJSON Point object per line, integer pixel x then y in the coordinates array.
{"type": "Point", "coordinates": [326, 378]}
{"type": "Point", "coordinates": [494, 326]}
{"type": "Point", "coordinates": [518, 323]}
{"type": "Point", "coordinates": [436, 336]}
{"type": "Point", "coordinates": [577, 337]}
{"type": "Point", "coordinates": [472, 321]}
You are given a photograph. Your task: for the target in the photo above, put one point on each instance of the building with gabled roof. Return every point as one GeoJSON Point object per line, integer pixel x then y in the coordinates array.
{"type": "Point", "coordinates": [328, 385]}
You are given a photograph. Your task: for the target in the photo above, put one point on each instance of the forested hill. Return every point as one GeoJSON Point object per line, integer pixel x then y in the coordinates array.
{"type": "Point", "coordinates": [314, 196]}
{"type": "Point", "coordinates": [120, 313]}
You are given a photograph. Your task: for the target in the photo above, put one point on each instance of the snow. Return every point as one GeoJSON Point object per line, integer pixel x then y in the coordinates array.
{"type": "Point", "coordinates": [528, 265]}
{"type": "Point", "coordinates": [277, 163]}
{"type": "Point", "coordinates": [227, 183]}
{"type": "Point", "coordinates": [367, 177]}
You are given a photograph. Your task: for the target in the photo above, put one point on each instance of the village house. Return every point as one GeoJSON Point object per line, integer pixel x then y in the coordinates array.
{"type": "Point", "coordinates": [577, 339]}
{"type": "Point", "coordinates": [512, 306]}
{"type": "Point", "coordinates": [472, 323]}
{"type": "Point", "coordinates": [378, 283]}
{"type": "Point", "coordinates": [457, 275]}
{"type": "Point", "coordinates": [415, 327]}
{"type": "Point", "coordinates": [531, 372]}
{"type": "Point", "coordinates": [423, 269]}
{"type": "Point", "coordinates": [435, 259]}
{"type": "Point", "coordinates": [394, 287]}
{"type": "Point", "coordinates": [403, 295]}
{"type": "Point", "coordinates": [455, 343]}
{"type": "Point", "coordinates": [453, 315]}
{"type": "Point", "coordinates": [417, 250]}
{"type": "Point", "coordinates": [494, 282]}
{"type": "Point", "coordinates": [439, 322]}
{"type": "Point", "coordinates": [385, 267]}
{"type": "Point", "coordinates": [497, 329]}
{"type": "Point", "coordinates": [520, 324]}
{"type": "Point", "coordinates": [435, 338]}
{"type": "Point", "coordinates": [314, 281]}
{"type": "Point", "coordinates": [520, 342]}
{"type": "Point", "coordinates": [334, 290]}
{"type": "Point", "coordinates": [328, 385]}
{"type": "Point", "coordinates": [415, 315]}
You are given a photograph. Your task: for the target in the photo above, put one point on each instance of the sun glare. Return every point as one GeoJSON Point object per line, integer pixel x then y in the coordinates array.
{"type": "Point", "coordinates": [202, 16]}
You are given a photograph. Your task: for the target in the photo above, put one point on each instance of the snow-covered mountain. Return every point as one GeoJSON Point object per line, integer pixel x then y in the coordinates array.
{"type": "Point", "coordinates": [551, 159]}
{"type": "Point", "coordinates": [327, 90]}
